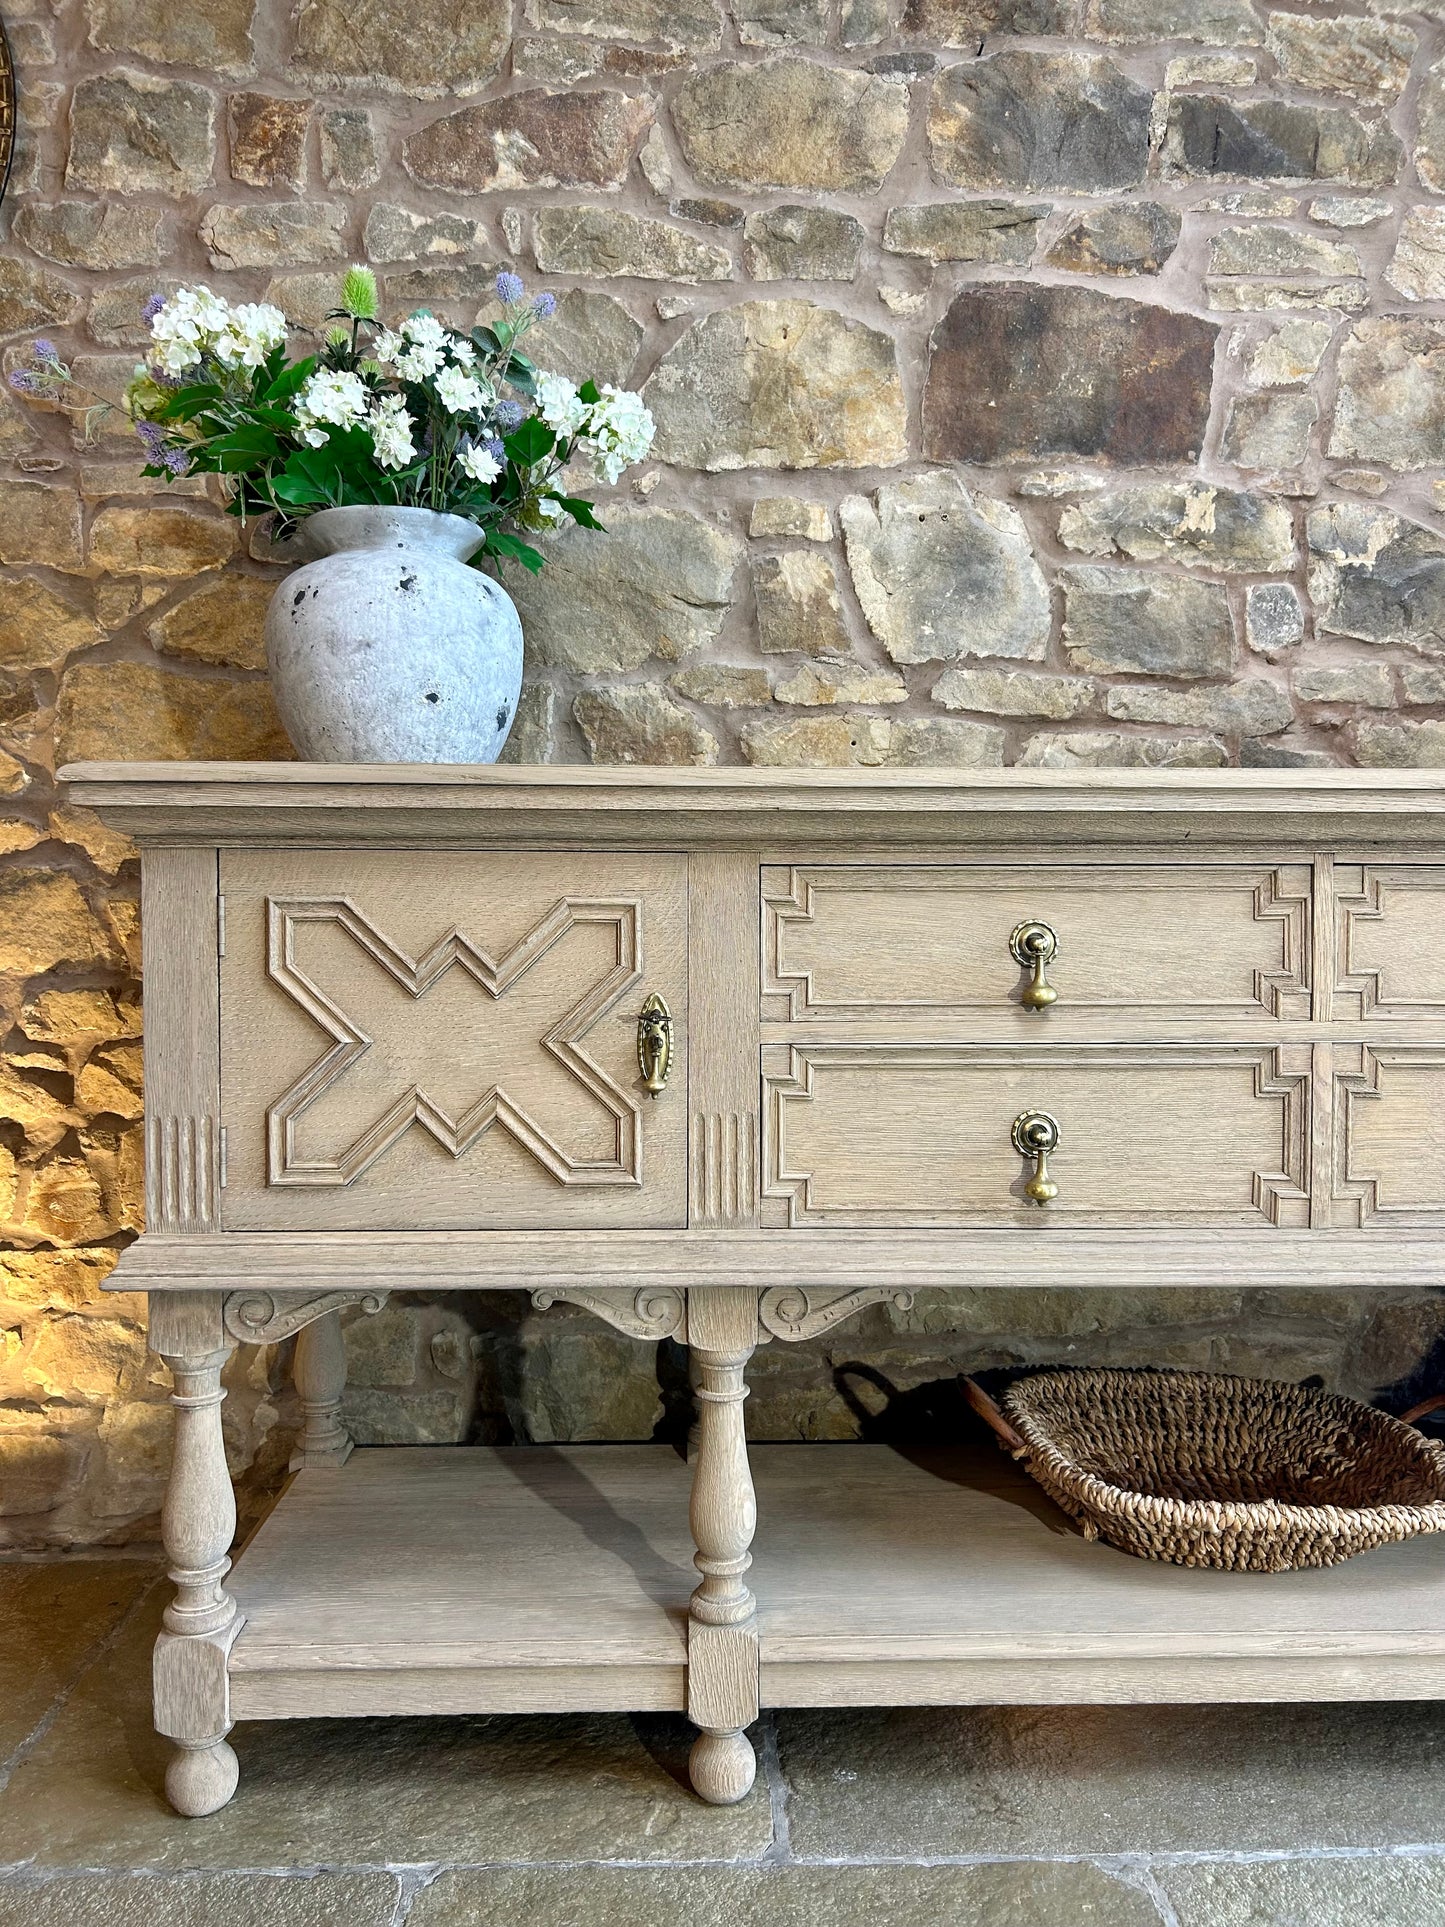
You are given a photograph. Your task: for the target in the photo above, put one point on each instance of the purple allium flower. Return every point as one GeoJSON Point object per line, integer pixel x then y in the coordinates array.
{"type": "Point", "coordinates": [176, 460]}
{"type": "Point", "coordinates": [509, 288]}
{"type": "Point", "coordinates": [494, 448]}
{"type": "Point", "coordinates": [544, 305]}
{"type": "Point", "coordinates": [24, 382]}
{"type": "Point", "coordinates": [509, 414]}
{"type": "Point", "coordinates": [153, 306]}
{"type": "Point", "coordinates": [46, 353]}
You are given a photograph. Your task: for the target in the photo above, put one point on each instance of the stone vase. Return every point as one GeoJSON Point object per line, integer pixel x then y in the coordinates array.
{"type": "Point", "coordinates": [387, 648]}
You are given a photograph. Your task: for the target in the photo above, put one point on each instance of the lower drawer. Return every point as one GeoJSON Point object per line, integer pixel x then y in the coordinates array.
{"type": "Point", "coordinates": [921, 1135]}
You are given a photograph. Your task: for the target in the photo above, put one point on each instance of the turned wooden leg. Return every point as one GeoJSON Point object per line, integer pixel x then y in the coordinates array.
{"type": "Point", "coordinates": [722, 1647]}
{"type": "Point", "coordinates": [198, 1523]}
{"type": "Point", "coordinates": [320, 1373]}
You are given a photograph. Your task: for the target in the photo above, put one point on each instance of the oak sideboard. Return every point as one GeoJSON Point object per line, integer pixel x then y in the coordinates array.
{"type": "Point", "coordinates": [724, 1056]}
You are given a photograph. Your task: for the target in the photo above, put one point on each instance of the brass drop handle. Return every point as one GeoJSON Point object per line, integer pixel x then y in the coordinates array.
{"type": "Point", "coordinates": [1035, 946]}
{"type": "Point", "coordinates": [1036, 1135]}
{"type": "Point", "coordinates": [654, 1043]}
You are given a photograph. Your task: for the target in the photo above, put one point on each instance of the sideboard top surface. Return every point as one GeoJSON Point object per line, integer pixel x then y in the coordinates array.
{"type": "Point", "coordinates": [228, 803]}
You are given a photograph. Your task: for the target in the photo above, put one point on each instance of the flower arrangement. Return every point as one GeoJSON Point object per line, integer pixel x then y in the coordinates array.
{"type": "Point", "coordinates": [421, 416]}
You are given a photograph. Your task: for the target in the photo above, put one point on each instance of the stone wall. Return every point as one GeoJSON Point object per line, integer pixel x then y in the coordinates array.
{"type": "Point", "coordinates": [1048, 382]}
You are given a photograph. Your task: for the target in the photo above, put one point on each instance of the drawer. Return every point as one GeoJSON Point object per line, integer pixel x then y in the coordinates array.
{"type": "Point", "coordinates": [1389, 1135]}
{"type": "Point", "coordinates": [921, 1135]}
{"type": "Point", "coordinates": [1226, 945]}
{"type": "Point", "coordinates": [438, 1040]}
{"type": "Point", "coordinates": [1390, 945]}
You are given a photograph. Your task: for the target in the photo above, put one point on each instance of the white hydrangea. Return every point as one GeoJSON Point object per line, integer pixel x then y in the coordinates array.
{"type": "Point", "coordinates": [549, 509]}
{"type": "Point", "coordinates": [459, 392]}
{"type": "Point", "coordinates": [479, 463]}
{"type": "Point", "coordinates": [330, 398]}
{"type": "Point", "coordinates": [423, 330]}
{"type": "Point", "coordinates": [253, 329]}
{"type": "Point", "coordinates": [415, 364]}
{"type": "Point", "coordinates": [461, 350]}
{"type": "Point", "coordinates": [186, 326]}
{"type": "Point", "coordinates": [559, 404]}
{"type": "Point", "coordinates": [391, 432]}
{"type": "Point", "coordinates": [618, 432]}
{"type": "Point", "coordinates": [388, 345]}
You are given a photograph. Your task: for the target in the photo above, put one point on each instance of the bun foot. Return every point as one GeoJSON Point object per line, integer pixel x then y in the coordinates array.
{"type": "Point", "coordinates": [723, 1767]}
{"type": "Point", "coordinates": [200, 1779]}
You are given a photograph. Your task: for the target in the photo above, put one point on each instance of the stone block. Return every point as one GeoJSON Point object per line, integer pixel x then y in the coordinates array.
{"type": "Point", "coordinates": [1350, 210]}
{"type": "Point", "coordinates": [134, 133]}
{"type": "Point", "coordinates": [1219, 23]}
{"type": "Point", "coordinates": [1423, 683]}
{"type": "Point", "coordinates": [1254, 294]}
{"type": "Point", "coordinates": [783, 384]}
{"type": "Point", "coordinates": [1129, 238]}
{"type": "Point", "coordinates": [262, 234]}
{"type": "Point", "coordinates": [1265, 249]}
{"type": "Point", "coordinates": [1015, 692]}
{"type": "Point", "coordinates": [1377, 577]}
{"type": "Point", "coordinates": [1290, 355]}
{"type": "Point", "coordinates": [1417, 267]}
{"type": "Point", "coordinates": [590, 337]}
{"type": "Point", "coordinates": [350, 156]}
{"type": "Point", "coordinates": [786, 515]}
{"type": "Point", "coordinates": [1391, 402]}
{"type": "Point", "coordinates": [941, 574]}
{"type": "Point", "coordinates": [1430, 138]}
{"type": "Point", "coordinates": [1366, 59]}
{"type": "Point", "coordinates": [268, 139]}
{"type": "Point", "coordinates": [41, 524]}
{"type": "Point", "coordinates": [693, 25]}
{"type": "Point", "coordinates": [1068, 121]}
{"type": "Point", "coordinates": [1251, 708]}
{"type": "Point", "coordinates": [400, 234]}
{"type": "Point", "coordinates": [789, 122]}
{"type": "Point", "coordinates": [780, 23]}
{"type": "Point", "coordinates": [963, 23]}
{"type": "Point", "coordinates": [872, 741]}
{"type": "Point", "coordinates": [129, 710]}
{"type": "Point", "coordinates": [533, 735]}
{"type": "Point", "coordinates": [1210, 136]}
{"type": "Point", "coordinates": [640, 723]}
{"type": "Point", "coordinates": [1116, 749]}
{"type": "Point", "coordinates": [38, 628]}
{"type": "Point", "coordinates": [607, 241]}
{"type": "Point", "coordinates": [1137, 623]}
{"type": "Point", "coordinates": [1370, 684]}
{"type": "Point", "coordinates": [812, 685]}
{"type": "Point", "coordinates": [997, 233]}
{"type": "Point", "coordinates": [91, 234]}
{"type": "Point", "coordinates": [214, 35]}
{"type": "Point", "coordinates": [32, 297]}
{"type": "Point", "coordinates": [802, 244]}
{"type": "Point", "coordinates": [220, 621]}
{"type": "Point", "coordinates": [656, 586]}
{"type": "Point", "coordinates": [1400, 745]}
{"type": "Point", "coordinates": [799, 609]}
{"type": "Point", "coordinates": [1273, 617]}
{"type": "Point", "coordinates": [1020, 371]}
{"type": "Point", "coordinates": [159, 541]}
{"type": "Point", "coordinates": [532, 139]}
{"type": "Point", "coordinates": [1197, 523]}
{"type": "Point", "coordinates": [1269, 431]}
{"type": "Point", "coordinates": [723, 686]}
{"type": "Point", "coordinates": [453, 47]}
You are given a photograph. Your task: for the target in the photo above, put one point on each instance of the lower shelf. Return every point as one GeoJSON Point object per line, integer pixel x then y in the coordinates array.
{"type": "Point", "coordinates": [432, 1580]}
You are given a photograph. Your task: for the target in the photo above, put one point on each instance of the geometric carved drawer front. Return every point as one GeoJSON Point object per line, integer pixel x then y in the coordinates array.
{"type": "Point", "coordinates": [1389, 1130]}
{"type": "Point", "coordinates": [450, 1040]}
{"type": "Point", "coordinates": [1149, 1134]}
{"type": "Point", "coordinates": [1229, 944]}
{"type": "Point", "coordinates": [1390, 920]}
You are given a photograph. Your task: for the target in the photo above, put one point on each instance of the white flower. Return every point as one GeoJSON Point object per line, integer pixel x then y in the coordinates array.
{"type": "Point", "coordinates": [194, 324]}
{"type": "Point", "coordinates": [391, 432]}
{"type": "Point", "coordinates": [479, 463]}
{"type": "Point", "coordinates": [415, 364]}
{"type": "Point", "coordinates": [618, 432]}
{"type": "Point", "coordinates": [549, 510]}
{"type": "Point", "coordinates": [261, 328]}
{"type": "Point", "coordinates": [459, 392]}
{"type": "Point", "coordinates": [559, 404]}
{"type": "Point", "coordinates": [388, 346]}
{"type": "Point", "coordinates": [424, 330]}
{"type": "Point", "coordinates": [462, 351]}
{"type": "Point", "coordinates": [330, 397]}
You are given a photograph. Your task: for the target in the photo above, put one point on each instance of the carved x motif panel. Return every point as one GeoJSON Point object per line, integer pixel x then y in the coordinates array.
{"type": "Point", "coordinates": [455, 1130]}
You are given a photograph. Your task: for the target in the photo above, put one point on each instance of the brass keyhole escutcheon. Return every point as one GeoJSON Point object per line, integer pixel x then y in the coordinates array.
{"type": "Point", "coordinates": [654, 1043]}
{"type": "Point", "coordinates": [1036, 1135]}
{"type": "Point", "coordinates": [1035, 946]}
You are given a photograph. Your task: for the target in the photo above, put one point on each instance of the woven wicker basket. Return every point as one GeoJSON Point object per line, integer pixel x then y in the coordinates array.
{"type": "Point", "coordinates": [1238, 1474]}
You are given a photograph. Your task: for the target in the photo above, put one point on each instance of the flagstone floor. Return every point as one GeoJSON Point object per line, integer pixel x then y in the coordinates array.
{"type": "Point", "coordinates": [1313, 1816]}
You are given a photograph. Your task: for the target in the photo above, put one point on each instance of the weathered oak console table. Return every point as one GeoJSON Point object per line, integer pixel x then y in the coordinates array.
{"type": "Point", "coordinates": [723, 1056]}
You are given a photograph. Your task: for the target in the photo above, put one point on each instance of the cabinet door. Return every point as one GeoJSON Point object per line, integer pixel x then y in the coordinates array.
{"type": "Point", "coordinates": [1389, 1127]}
{"type": "Point", "coordinates": [1390, 942]}
{"type": "Point", "coordinates": [1150, 1134]}
{"type": "Point", "coordinates": [417, 1039]}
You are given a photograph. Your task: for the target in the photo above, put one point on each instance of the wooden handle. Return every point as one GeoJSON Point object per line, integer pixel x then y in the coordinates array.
{"type": "Point", "coordinates": [992, 1415]}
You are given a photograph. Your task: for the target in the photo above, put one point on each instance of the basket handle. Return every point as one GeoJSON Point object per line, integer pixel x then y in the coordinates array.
{"type": "Point", "coordinates": [992, 1415]}
{"type": "Point", "coordinates": [1423, 1409]}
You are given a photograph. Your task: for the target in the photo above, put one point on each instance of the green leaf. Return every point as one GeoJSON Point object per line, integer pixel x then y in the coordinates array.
{"type": "Point", "coordinates": [530, 443]}
{"type": "Point", "coordinates": [286, 383]}
{"type": "Point", "coordinates": [499, 542]}
{"type": "Point", "coordinates": [590, 393]}
{"type": "Point", "coordinates": [580, 509]}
